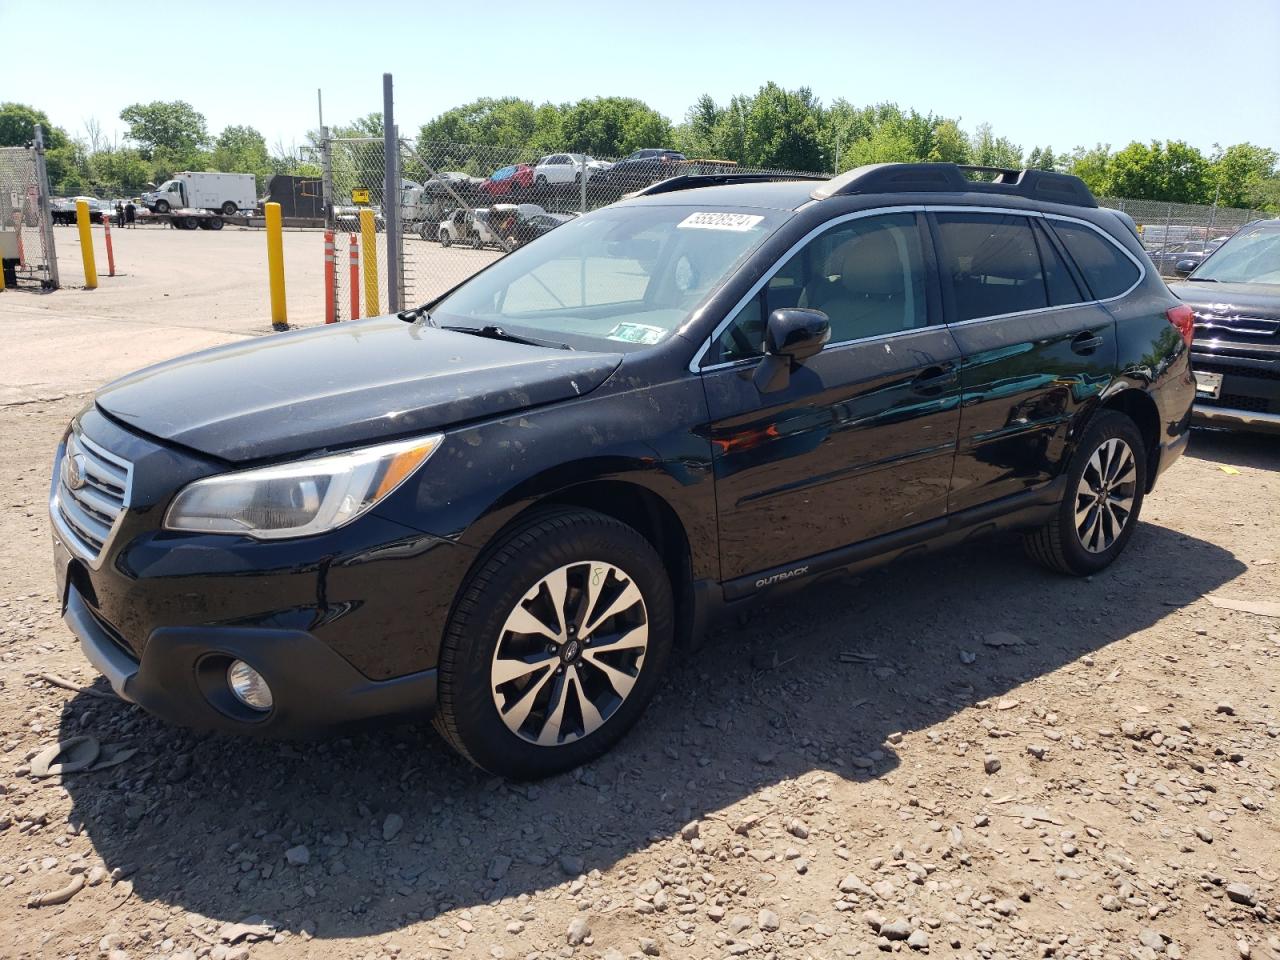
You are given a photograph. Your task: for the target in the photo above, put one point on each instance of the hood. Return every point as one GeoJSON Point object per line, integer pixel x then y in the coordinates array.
{"type": "Point", "coordinates": [343, 384]}
{"type": "Point", "coordinates": [1254, 299]}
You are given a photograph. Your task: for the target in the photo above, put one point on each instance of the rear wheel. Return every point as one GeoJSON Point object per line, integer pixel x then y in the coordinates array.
{"type": "Point", "coordinates": [555, 646]}
{"type": "Point", "coordinates": [445, 238]}
{"type": "Point", "coordinates": [229, 208]}
{"type": "Point", "coordinates": [215, 223]}
{"type": "Point", "coordinates": [1106, 483]}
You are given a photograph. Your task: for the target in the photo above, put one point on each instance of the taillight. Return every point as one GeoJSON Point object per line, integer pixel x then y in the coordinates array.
{"type": "Point", "coordinates": [1184, 319]}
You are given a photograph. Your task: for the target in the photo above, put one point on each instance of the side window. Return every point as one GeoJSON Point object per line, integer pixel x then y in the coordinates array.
{"type": "Point", "coordinates": [991, 263]}
{"type": "Point", "coordinates": [1107, 271]}
{"type": "Point", "coordinates": [866, 275]}
{"type": "Point", "coordinates": [1058, 280]}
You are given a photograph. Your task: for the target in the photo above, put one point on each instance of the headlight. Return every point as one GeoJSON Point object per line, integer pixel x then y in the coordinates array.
{"type": "Point", "coordinates": [301, 498]}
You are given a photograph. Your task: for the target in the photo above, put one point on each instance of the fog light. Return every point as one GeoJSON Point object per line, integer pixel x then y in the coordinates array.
{"type": "Point", "coordinates": [249, 686]}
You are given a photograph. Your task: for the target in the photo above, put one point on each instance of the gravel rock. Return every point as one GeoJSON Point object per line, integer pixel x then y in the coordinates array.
{"type": "Point", "coordinates": [298, 856]}
{"type": "Point", "coordinates": [392, 826]}
{"type": "Point", "coordinates": [579, 930]}
{"type": "Point", "coordinates": [767, 920]}
{"type": "Point", "coordinates": [919, 940]}
{"type": "Point", "coordinates": [690, 831]}
{"type": "Point", "coordinates": [896, 930]}
{"type": "Point", "coordinates": [649, 947]}
{"type": "Point", "coordinates": [991, 763]}
{"type": "Point", "coordinates": [1241, 893]}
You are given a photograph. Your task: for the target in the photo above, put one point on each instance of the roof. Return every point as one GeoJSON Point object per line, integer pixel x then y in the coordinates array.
{"type": "Point", "coordinates": [776, 194]}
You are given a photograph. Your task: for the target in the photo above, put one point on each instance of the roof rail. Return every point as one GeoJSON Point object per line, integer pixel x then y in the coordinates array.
{"type": "Point", "coordinates": [1041, 185]}
{"type": "Point", "coordinates": [691, 181]}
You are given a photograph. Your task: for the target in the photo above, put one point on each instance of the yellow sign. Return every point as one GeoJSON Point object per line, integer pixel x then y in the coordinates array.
{"type": "Point", "coordinates": [359, 196]}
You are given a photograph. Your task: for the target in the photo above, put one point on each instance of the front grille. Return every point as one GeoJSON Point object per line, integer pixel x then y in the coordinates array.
{"type": "Point", "coordinates": [90, 495]}
{"type": "Point", "coordinates": [1239, 401]}
{"type": "Point", "coordinates": [1207, 321]}
{"type": "Point", "coordinates": [1237, 369]}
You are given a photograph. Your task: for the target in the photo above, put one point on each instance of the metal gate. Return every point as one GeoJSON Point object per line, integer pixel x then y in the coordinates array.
{"type": "Point", "coordinates": [26, 222]}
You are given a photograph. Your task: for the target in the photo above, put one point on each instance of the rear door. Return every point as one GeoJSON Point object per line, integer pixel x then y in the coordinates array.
{"type": "Point", "coordinates": [1036, 349]}
{"type": "Point", "coordinates": [861, 441]}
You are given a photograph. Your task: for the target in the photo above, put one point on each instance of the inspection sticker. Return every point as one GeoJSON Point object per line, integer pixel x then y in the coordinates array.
{"type": "Point", "coordinates": [737, 222]}
{"type": "Point", "coordinates": [636, 333]}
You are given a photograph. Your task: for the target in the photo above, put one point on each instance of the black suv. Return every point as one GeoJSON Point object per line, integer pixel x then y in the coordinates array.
{"type": "Point", "coordinates": [1235, 294]}
{"type": "Point", "coordinates": [505, 507]}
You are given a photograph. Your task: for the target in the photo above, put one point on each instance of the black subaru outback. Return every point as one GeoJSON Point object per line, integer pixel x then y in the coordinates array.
{"type": "Point", "coordinates": [505, 507]}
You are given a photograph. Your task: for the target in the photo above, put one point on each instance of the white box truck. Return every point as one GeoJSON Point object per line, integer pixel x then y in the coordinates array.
{"type": "Point", "coordinates": [223, 193]}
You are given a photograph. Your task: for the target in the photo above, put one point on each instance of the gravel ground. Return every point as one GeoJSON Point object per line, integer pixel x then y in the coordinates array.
{"type": "Point", "coordinates": [960, 755]}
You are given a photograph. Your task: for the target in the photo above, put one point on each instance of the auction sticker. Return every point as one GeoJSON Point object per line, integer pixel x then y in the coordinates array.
{"type": "Point", "coordinates": [706, 220]}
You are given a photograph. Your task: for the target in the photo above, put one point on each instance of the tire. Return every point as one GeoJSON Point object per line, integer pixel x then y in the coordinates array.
{"type": "Point", "coordinates": [566, 699]}
{"type": "Point", "coordinates": [215, 223]}
{"type": "Point", "coordinates": [190, 223]}
{"type": "Point", "coordinates": [540, 181]}
{"type": "Point", "coordinates": [162, 206]}
{"type": "Point", "coordinates": [229, 209]}
{"type": "Point", "coordinates": [477, 242]}
{"type": "Point", "coordinates": [1107, 477]}
{"type": "Point", "coordinates": [445, 238]}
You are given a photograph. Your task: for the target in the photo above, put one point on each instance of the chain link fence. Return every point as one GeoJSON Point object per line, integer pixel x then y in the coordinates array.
{"type": "Point", "coordinates": [26, 225]}
{"type": "Point", "coordinates": [462, 206]}
{"type": "Point", "coordinates": [1183, 233]}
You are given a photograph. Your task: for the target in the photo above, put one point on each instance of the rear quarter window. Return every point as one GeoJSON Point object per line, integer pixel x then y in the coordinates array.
{"type": "Point", "coordinates": [1106, 269]}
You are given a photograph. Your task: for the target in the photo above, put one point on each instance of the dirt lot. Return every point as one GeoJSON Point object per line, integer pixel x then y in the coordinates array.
{"type": "Point", "coordinates": [962, 755]}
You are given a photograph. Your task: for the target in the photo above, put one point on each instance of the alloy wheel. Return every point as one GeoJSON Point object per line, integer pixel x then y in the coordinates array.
{"type": "Point", "coordinates": [1105, 495]}
{"type": "Point", "coordinates": [569, 653]}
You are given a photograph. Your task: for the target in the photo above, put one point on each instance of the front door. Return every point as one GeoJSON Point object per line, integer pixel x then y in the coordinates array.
{"type": "Point", "coordinates": [861, 441]}
{"type": "Point", "coordinates": [1036, 349]}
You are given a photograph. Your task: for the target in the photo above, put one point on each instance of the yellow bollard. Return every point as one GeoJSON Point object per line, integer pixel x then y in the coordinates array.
{"type": "Point", "coordinates": [275, 266]}
{"type": "Point", "coordinates": [86, 245]}
{"type": "Point", "coordinates": [369, 242]}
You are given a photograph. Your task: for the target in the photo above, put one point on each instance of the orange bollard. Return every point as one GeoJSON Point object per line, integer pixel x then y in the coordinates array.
{"type": "Point", "coordinates": [111, 257]}
{"type": "Point", "coordinates": [329, 315]}
{"type": "Point", "coordinates": [355, 279]}
{"type": "Point", "coordinates": [17, 226]}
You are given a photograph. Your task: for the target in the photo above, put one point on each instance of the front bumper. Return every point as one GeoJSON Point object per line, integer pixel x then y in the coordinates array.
{"type": "Point", "coordinates": [1232, 418]}
{"type": "Point", "coordinates": [181, 678]}
{"type": "Point", "coordinates": [343, 625]}
{"type": "Point", "coordinates": [1249, 393]}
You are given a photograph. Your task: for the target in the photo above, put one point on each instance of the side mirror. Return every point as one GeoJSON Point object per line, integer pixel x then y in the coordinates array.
{"type": "Point", "coordinates": [1184, 267]}
{"type": "Point", "coordinates": [792, 336]}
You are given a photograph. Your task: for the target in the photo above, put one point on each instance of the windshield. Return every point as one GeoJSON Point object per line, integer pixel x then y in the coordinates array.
{"type": "Point", "coordinates": [1251, 256]}
{"type": "Point", "coordinates": [629, 274]}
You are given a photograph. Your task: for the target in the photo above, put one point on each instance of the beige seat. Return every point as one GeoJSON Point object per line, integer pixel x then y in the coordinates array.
{"type": "Point", "coordinates": [863, 288]}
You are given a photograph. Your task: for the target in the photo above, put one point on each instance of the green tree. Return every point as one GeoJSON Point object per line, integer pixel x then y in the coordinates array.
{"type": "Point", "coordinates": [1172, 171]}
{"type": "Point", "coordinates": [173, 126]}
{"type": "Point", "coordinates": [118, 171]}
{"type": "Point", "coordinates": [18, 126]}
{"type": "Point", "coordinates": [241, 149]}
{"type": "Point", "coordinates": [612, 126]}
{"type": "Point", "coordinates": [1239, 174]}
{"type": "Point", "coordinates": [988, 150]}
{"type": "Point", "coordinates": [782, 129]}
{"type": "Point", "coordinates": [500, 122]}
{"type": "Point", "coordinates": [1093, 166]}
{"type": "Point", "coordinates": [1044, 159]}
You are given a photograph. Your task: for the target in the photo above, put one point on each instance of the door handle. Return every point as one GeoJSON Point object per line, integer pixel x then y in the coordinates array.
{"type": "Point", "coordinates": [931, 381]}
{"type": "Point", "coordinates": [1086, 343]}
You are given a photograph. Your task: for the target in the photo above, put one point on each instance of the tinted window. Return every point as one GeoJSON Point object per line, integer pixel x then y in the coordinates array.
{"type": "Point", "coordinates": [1058, 281]}
{"type": "Point", "coordinates": [1108, 272]}
{"type": "Point", "coordinates": [991, 262]}
{"type": "Point", "coordinates": [866, 275]}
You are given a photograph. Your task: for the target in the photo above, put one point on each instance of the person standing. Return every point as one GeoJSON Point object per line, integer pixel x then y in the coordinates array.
{"type": "Point", "coordinates": [130, 214]}
{"type": "Point", "coordinates": [119, 214]}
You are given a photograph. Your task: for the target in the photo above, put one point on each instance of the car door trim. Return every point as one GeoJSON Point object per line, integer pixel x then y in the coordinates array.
{"type": "Point", "coordinates": [694, 363]}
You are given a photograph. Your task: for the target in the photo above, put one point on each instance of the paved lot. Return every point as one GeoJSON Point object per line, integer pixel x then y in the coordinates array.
{"type": "Point", "coordinates": [812, 782]}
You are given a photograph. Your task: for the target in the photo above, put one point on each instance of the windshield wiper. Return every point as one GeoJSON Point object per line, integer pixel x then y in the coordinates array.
{"type": "Point", "coordinates": [494, 332]}
{"type": "Point", "coordinates": [416, 314]}
{"type": "Point", "coordinates": [1200, 279]}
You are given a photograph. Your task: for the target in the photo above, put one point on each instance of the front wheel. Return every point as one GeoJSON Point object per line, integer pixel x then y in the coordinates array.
{"type": "Point", "coordinates": [1106, 482]}
{"type": "Point", "coordinates": [556, 645]}
{"type": "Point", "coordinates": [162, 206]}
{"type": "Point", "coordinates": [445, 238]}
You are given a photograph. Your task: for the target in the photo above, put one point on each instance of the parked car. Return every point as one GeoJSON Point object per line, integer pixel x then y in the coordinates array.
{"type": "Point", "coordinates": [63, 210]}
{"type": "Point", "coordinates": [655, 153]}
{"type": "Point", "coordinates": [565, 168]}
{"type": "Point", "coordinates": [531, 227]}
{"type": "Point", "coordinates": [634, 173]}
{"type": "Point", "coordinates": [1235, 296]}
{"type": "Point", "coordinates": [508, 179]}
{"type": "Point", "coordinates": [1166, 259]}
{"type": "Point", "coordinates": [347, 218]}
{"type": "Point", "coordinates": [504, 508]}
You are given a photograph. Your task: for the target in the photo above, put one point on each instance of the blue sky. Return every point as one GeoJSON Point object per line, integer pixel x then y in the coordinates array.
{"type": "Point", "coordinates": [1062, 74]}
